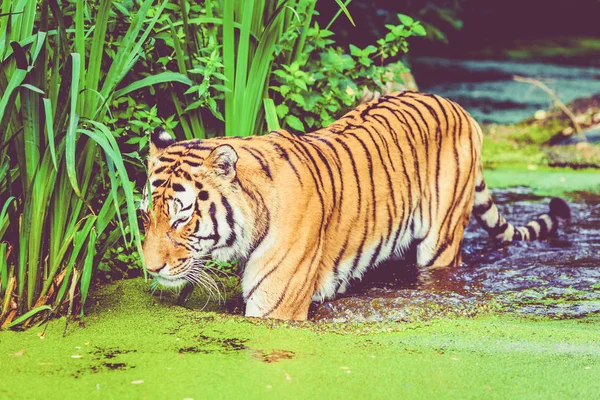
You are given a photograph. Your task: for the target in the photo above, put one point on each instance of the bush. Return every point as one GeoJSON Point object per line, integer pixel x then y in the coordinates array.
{"type": "Point", "coordinates": [325, 81]}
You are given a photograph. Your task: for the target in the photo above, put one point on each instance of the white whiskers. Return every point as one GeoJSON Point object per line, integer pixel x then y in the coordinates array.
{"type": "Point", "coordinates": [199, 274]}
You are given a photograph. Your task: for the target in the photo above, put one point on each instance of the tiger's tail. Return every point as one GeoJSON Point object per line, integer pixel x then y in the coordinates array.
{"type": "Point", "coordinates": [487, 215]}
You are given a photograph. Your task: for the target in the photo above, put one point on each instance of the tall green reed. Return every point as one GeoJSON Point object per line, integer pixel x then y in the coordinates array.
{"type": "Point", "coordinates": [63, 182]}
{"type": "Point", "coordinates": [225, 56]}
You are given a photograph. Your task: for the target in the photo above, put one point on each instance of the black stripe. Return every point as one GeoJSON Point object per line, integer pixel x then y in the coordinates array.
{"type": "Point", "coordinates": [517, 235]}
{"type": "Point", "coordinates": [230, 221]}
{"type": "Point", "coordinates": [264, 216]}
{"type": "Point", "coordinates": [480, 187]}
{"type": "Point", "coordinates": [329, 172]}
{"type": "Point", "coordinates": [265, 276]}
{"type": "Point", "coordinates": [284, 154]}
{"type": "Point", "coordinates": [338, 166]}
{"type": "Point", "coordinates": [532, 234]}
{"type": "Point", "coordinates": [425, 140]}
{"type": "Point", "coordinates": [375, 254]}
{"type": "Point", "coordinates": [259, 156]}
{"type": "Point", "coordinates": [481, 209]}
{"type": "Point", "coordinates": [186, 208]}
{"type": "Point", "coordinates": [439, 147]}
{"type": "Point", "coordinates": [192, 163]}
{"type": "Point", "coordinates": [402, 160]}
{"type": "Point", "coordinates": [498, 229]}
{"type": "Point", "coordinates": [195, 144]}
{"type": "Point", "coordinates": [544, 229]}
{"type": "Point", "coordinates": [383, 164]}
{"type": "Point", "coordinates": [354, 169]}
{"type": "Point", "coordinates": [438, 253]}
{"type": "Point", "coordinates": [160, 169]}
{"type": "Point", "coordinates": [359, 252]}
{"type": "Point", "coordinates": [370, 163]}
{"type": "Point", "coordinates": [183, 174]}
{"type": "Point", "coordinates": [178, 187]}
{"type": "Point", "coordinates": [212, 211]}
{"type": "Point", "coordinates": [413, 150]}
{"type": "Point", "coordinates": [383, 123]}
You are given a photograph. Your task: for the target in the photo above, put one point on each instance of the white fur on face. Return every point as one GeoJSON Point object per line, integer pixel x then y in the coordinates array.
{"type": "Point", "coordinates": [181, 207]}
{"type": "Point", "coordinates": [168, 280]}
{"type": "Point", "coordinates": [164, 136]}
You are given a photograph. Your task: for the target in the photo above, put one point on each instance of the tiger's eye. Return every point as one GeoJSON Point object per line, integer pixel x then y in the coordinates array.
{"type": "Point", "coordinates": [203, 195]}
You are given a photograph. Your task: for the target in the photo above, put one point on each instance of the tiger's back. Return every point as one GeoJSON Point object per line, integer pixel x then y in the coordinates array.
{"type": "Point", "coordinates": [395, 177]}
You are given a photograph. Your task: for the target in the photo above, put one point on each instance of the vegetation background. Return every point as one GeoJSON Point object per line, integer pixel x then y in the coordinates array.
{"type": "Point", "coordinates": [83, 82]}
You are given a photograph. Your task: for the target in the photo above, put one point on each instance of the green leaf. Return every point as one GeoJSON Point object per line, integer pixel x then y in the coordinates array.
{"type": "Point", "coordinates": [294, 122]}
{"type": "Point", "coordinates": [370, 49]}
{"type": "Point", "coordinates": [419, 30]}
{"type": "Point", "coordinates": [212, 106]}
{"type": "Point", "coordinates": [32, 88]}
{"type": "Point", "coordinates": [301, 84]}
{"type": "Point", "coordinates": [282, 110]}
{"type": "Point", "coordinates": [405, 19]}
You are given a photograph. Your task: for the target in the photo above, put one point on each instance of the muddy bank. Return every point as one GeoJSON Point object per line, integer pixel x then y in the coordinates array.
{"type": "Point", "coordinates": [558, 277]}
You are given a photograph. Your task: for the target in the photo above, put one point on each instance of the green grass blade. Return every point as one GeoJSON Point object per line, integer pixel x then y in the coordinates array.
{"type": "Point", "coordinates": [4, 211]}
{"type": "Point", "coordinates": [345, 10]}
{"type": "Point", "coordinates": [241, 71]}
{"type": "Point", "coordinates": [3, 269]}
{"type": "Point", "coordinates": [71, 138]}
{"type": "Point", "coordinates": [229, 65]}
{"type": "Point", "coordinates": [93, 77]}
{"type": "Point", "coordinates": [78, 242]}
{"type": "Point", "coordinates": [106, 140]}
{"type": "Point", "coordinates": [50, 130]}
{"type": "Point", "coordinates": [86, 274]}
{"type": "Point", "coordinates": [27, 315]}
{"type": "Point", "coordinates": [163, 77]}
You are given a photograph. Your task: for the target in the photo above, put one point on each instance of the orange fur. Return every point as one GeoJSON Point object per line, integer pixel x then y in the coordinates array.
{"type": "Point", "coordinates": [306, 213]}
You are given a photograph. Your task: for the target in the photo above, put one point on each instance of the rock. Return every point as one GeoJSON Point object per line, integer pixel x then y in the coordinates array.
{"type": "Point", "coordinates": [540, 115]}
{"type": "Point", "coordinates": [568, 131]}
{"type": "Point", "coordinates": [580, 119]}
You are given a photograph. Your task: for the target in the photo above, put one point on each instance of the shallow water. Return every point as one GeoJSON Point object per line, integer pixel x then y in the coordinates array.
{"type": "Point", "coordinates": [558, 277]}
{"type": "Point", "coordinates": [487, 89]}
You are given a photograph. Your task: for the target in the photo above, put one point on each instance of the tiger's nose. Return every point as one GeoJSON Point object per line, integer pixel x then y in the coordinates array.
{"type": "Point", "coordinates": [155, 268]}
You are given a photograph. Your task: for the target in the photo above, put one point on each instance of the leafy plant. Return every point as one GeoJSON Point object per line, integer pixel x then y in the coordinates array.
{"type": "Point", "coordinates": [224, 52]}
{"type": "Point", "coordinates": [63, 180]}
{"type": "Point", "coordinates": [325, 81]}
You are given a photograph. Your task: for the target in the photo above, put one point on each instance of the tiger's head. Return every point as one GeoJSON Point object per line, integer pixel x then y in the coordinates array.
{"type": "Point", "coordinates": [192, 209]}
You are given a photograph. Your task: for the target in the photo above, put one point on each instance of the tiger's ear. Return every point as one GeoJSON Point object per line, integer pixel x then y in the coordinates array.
{"type": "Point", "coordinates": [159, 141]}
{"type": "Point", "coordinates": [222, 160]}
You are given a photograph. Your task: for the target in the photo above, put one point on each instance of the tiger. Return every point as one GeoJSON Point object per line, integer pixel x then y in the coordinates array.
{"type": "Point", "coordinates": [304, 214]}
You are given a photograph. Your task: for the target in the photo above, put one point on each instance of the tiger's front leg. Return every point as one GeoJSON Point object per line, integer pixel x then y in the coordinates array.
{"type": "Point", "coordinates": [280, 283]}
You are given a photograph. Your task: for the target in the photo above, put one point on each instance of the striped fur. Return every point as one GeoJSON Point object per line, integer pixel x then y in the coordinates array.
{"type": "Point", "coordinates": [304, 214]}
